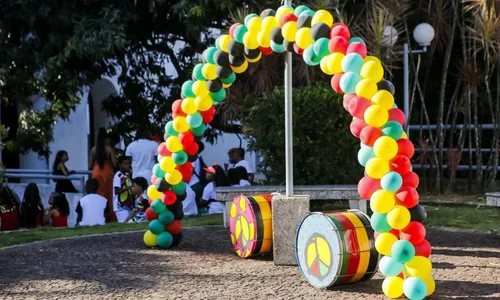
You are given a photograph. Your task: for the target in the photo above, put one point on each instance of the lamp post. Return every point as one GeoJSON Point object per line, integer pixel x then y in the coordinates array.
{"type": "Point", "coordinates": [423, 35]}
{"type": "Point", "coordinates": [288, 121]}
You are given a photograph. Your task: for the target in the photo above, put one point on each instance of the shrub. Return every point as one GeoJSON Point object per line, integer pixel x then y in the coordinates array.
{"type": "Point", "coordinates": [324, 150]}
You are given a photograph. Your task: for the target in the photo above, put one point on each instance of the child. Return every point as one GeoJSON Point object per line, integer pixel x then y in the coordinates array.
{"type": "Point", "coordinates": [92, 208]}
{"type": "Point", "coordinates": [9, 210]}
{"type": "Point", "coordinates": [58, 212]}
{"type": "Point", "coordinates": [139, 187]}
{"type": "Point", "coordinates": [122, 193]}
{"type": "Point", "coordinates": [32, 207]}
{"type": "Point", "coordinates": [215, 177]}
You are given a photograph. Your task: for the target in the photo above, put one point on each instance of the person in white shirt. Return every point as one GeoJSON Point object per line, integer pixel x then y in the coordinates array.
{"type": "Point", "coordinates": [92, 208]}
{"type": "Point", "coordinates": [215, 177]}
{"type": "Point", "coordinates": [143, 152]}
{"type": "Point", "coordinates": [189, 206]}
{"type": "Point", "coordinates": [198, 181]}
{"type": "Point", "coordinates": [237, 158]}
{"type": "Point", "coordinates": [123, 200]}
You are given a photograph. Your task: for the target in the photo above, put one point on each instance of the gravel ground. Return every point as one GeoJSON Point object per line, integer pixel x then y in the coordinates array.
{"type": "Point", "coordinates": [466, 266]}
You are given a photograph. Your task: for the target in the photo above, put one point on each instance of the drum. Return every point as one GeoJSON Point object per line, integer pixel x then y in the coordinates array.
{"type": "Point", "coordinates": [251, 225]}
{"type": "Point", "coordinates": [336, 248]}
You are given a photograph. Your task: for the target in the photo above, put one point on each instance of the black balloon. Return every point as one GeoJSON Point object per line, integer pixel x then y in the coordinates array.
{"type": "Point", "coordinates": [214, 85]}
{"type": "Point", "coordinates": [221, 58]}
{"type": "Point", "coordinates": [235, 49]}
{"type": "Point", "coordinates": [161, 185]}
{"type": "Point", "coordinates": [177, 238]}
{"type": "Point", "coordinates": [181, 197]}
{"type": "Point", "coordinates": [418, 213]}
{"type": "Point", "coordinates": [386, 85]}
{"type": "Point", "coordinates": [276, 36]}
{"type": "Point", "coordinates": [236, 61]}
{"type": "Point", "coordinates": [223, 71]}
{"type": "Point", "coordinates": [192, 158]}
{"type": "Point", "coordinates": [267, 12]}
{"type": "Point", "coordinates": [304, 21]}
{"type": "Point", "coordinates": [320, 30]}
{"type": "Point", "coordinates": [176, 209]}
{"type": "Point", "coordinates": [251, 54]}
{"type": "Point", "coordinates": [288, 46]}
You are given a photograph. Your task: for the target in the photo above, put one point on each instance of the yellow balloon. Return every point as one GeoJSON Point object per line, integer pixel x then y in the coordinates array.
{"type": "Point", "coordinates": [371, 58]}
{"type": "Point", "coordinates": [385, 147]}
{"type": "Point", "coordinates": [322, 16]}
{"type": "Point", "coordinates": [149, 239]}
{"type": "Point", "coordinates": [209, 71]}
{"type": "Point", "coordinates": [325, 66]}
{"type": "Point", "coordinates": [173, 145]}
{"type": "Point", "coordinates": [303, 37]}
{"type": "Point", "coordinates": [174, 177]}
{"type": "Point", "coordinates": [269, 23]}
{"type": "Point", "coordinates": [255, 59]}
{"type": "Point", "coordinates": [384, 243]}
{"type": "Point", "coordinates": [264, 39]}
{"type": "Point", "coordinates": [377, 167]}
{"type": "Point", "coordinates": [393, 287]}
{"type": "Point", "coordinates": [404, 136]}
{"type": "Point", "coordinates": [281, 12]}
{"type": "Point", "coordinates": [188, 106]}
{"type": "Point", "coordinates": [289, 30]}
{"type": "Point", "coordinates": [366, 88]}
{"type": "Point", "coordinates": [372, 70]}
{"type": "Point", "coordinates": [335, 62]}
{"type": "Point", "coordinates": [250, 40]}
{"type": "Point", "coordinates": [153, 193]}
{"type": "Point", "coordinates": [384, 99]}
{"type": "Point", "coordinates": [431, 285]}
{"type": "Point", "coordinates": [224, 42]}
{"type": "Point", "coordinates": [376, 116]}
{"type": "Point", "coordinates": [180, 124]}
{"type": "Point", "coordinates": [399, 217]}
{"type": "Point", "coordinates": [240, 69]}
{"type": "Point", "coordinates": [382, 201]}
{"type": "Point", "coordinates": [419, 266]}
{"type": "Point", "coordinates": [167, 164]}
{"type": "Point", "coordinates": [203, 103]}
{"type": "Point", "coordinates": [226, 85]}
{"type": "Point", "coordinates": [200, 88]}
{"type": "Point", "coordinates": [254, 25]}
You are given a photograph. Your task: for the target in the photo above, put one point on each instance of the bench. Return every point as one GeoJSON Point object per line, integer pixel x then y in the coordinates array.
{"type": "Point", "coordinates": [493, 199]}
{"type": "Point", "coordinates": [315, 192]}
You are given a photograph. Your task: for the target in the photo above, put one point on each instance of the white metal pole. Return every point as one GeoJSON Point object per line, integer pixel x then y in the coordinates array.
{"type": "Point", "coordinates": [288, 121]}
{"type": "Point", "coordinates": [406, 88]}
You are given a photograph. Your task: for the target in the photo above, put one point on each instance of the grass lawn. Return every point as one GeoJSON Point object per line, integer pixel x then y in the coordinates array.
{"type": "Point", "coordinates": [48, 233]}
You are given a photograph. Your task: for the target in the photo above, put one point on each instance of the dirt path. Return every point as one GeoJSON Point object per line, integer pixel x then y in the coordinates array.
{"type": "Point", "coordinates": [466, 265]}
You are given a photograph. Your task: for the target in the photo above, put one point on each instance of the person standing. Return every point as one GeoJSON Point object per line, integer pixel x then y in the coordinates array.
{"type": "Point", "coordinates": [59, 168]}
{"type": "Point", "coordinates": [143, 153]}
{"type": "Point", "coordinates": [198, 180]}
{"type": "Point", "coordinates": [237, 159]}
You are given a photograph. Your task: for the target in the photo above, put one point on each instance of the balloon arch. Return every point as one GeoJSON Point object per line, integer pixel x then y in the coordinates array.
{"type": "Point", "coordinates": [385, 152]}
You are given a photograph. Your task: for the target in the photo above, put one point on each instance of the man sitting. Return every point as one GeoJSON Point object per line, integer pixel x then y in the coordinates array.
{"type": "Point", "coordinates": [92, 208]}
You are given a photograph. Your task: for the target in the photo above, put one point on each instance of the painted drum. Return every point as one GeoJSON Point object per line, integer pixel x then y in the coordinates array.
{"type": "Point", "coordinates": [336, 248]}
{"type": "Point", "coordinates": [251, 225]}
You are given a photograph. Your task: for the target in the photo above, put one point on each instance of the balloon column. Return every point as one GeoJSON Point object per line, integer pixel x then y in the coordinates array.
{"type": "Point", "coordinates": [385, 152]}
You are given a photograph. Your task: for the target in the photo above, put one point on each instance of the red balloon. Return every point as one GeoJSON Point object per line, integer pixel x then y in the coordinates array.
{"type": "Point", "coordinates": [232, 28]}
{"type": "Point", "coordinates": [335, 82]}
{"type": "Point", "coordinates": [168, 197]}
{"type": "Point", "coordinates": [163, 151]}
{"type": "Point", "coordinates": [356, 126]}
{"type": "Point", "coordinates": [266, 51]}
{"type": "Point", "coordinates": [153, 178]}
{"type": "Point", "coordinates": [186, 177]}
{"type": "Point", "coordinates": [413, 232]}
{"type": "Point", "coordinates": [186, 138]}
{"type": "Point", "coordinates": [174, 228]}
{"type": "Point", "coordinates": [347, 99]}
{"type": "Point", "coordinates": [367, 186]}
{"type": "Point", "coordinates": [338, 44]}
{"type": "Point", "coordinates": [340, 29]}
{"type": "Point", "coordinates": [407, 197]}
{"type": "Point", "coordinates": [191, 149]}
{"type": "Point", "coordinates": [208, 115]}
{"type": "Point", "coordinates": [150, 214]}
{"type": "Point", "coordinates": [358, 106]}
{"type": "Point", "coordinates": [369, 135]}
{"type": "Point", "coordinates": [287, 18]}
{"type": "Point", "coordinates": [411, 179]}
{"type": "Point", "coordinates": [401, 275]}
{"type": "Point", "coordinates": [186, 167]}
{"type": "Point", "coordinates": [423, 249]}
{"type": "Point", "coordinates": [396, 114]}
{"type": "Point", "coordinates": [406, 148]}
{"type": "Point", "coordinates": [400, 164]}
{"type": "Point", "coordinates": [297, 49]}
{"type": "Point", "coordinates": [357, 47]}
{"type": "Point", "coordinates": [177, 109]}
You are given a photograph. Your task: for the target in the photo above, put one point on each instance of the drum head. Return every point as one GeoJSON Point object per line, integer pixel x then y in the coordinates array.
{"type": "Point", "coordinates": [243, 227]}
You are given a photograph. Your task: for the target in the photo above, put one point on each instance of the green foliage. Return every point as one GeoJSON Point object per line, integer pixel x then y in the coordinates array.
{"type": "Point", "coordinates": [324, 150]}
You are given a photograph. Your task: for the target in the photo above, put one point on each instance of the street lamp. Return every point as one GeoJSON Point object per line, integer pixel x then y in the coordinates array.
{"type": "Point", "coordinates": [423, 35]}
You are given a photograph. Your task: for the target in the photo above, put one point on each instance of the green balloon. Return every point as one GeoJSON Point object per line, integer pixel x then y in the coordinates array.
{"type": "Point", "coordinates": [277, 47]}
{"type": "Point", "coordinates": [239, 32]}
{"type": "Point", "coordinates": [379, 222]}
{"type": "Point", "coordinates": [179, 158]}
{"type": "Point", "coordinates": [310, 57]}
{"type": "Point", "coordinates": [208, 54]}
{"type": "Point", "coordinates": [230, 79]}
{"type": "Point", "coordinates": [357, 39]}
{"type": "Point", "coordinates": [156, 227]}
{"type": "Point", "coordinates": [217, 42]}
{"type": "Point", "coordinates": [307, 13]}
{"type": "Point", "coordinates": [403, 251]}
{"type": "Point", "coordinates": [158, 172]}
{"type": "Point", "coordinates": [197, 73]}
{"type": "Point", "coordinates": [164, 240]}
{"type": "Point", "coordinates": [158, 207]}
{"type": "Point", "coordinates": [169, 129]}
{"type": "Point", "coordinates": [199, 131]}
{"type": "Point", "coordinates": [166, 217]}
{"type": "Point", "coordinates": [158, 158]}
{"type": "Point", "coordinates": [365, 154]}
{"type": "Point", "coordinates": [194, 120]}
{"type": "Point", "coordinates": [250, 16]}
{"type": "Point", "coordinates": [218, 96]}
{"type": "Point", "coordinates": [179, 189]}
{"type": "Point", "coordinates": [393, 129]}
{"type": "Point", "coordinates": [299, 9]}
{"type": "Point", "coordinates": [321, 47]}
{"type": "Point", "coordinates": [187, 89]}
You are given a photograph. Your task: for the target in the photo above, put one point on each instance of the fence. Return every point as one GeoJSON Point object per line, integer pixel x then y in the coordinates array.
{"type": "Point", "coordinates": [44, 174]}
